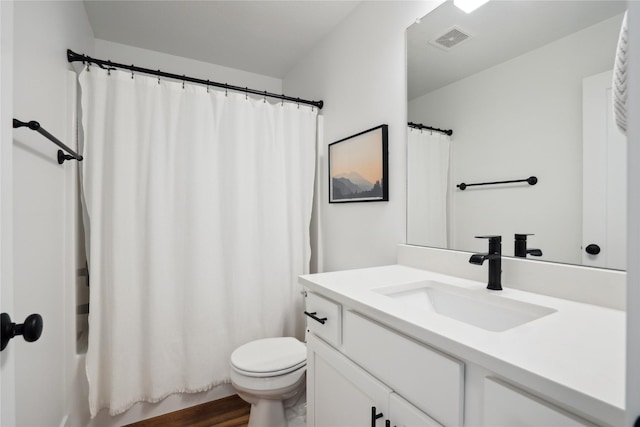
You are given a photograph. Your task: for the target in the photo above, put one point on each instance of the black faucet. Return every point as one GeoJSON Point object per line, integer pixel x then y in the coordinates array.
{"type": "Point", "coordinates": [520, 247]}
{"type": "Point", "coordinates": [495, 261]}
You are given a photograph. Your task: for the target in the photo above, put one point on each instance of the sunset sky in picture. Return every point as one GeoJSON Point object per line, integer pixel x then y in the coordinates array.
{"type": "Point", "coordinates": [362, 154]}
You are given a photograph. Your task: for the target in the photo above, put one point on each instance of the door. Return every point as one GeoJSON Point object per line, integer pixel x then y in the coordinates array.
{"type": "Point", "coordinates": [604, 178]}
{"type": "Point", "coordinates": [7, 363]}
{"type": "Point", "coordinates": [339, 393]}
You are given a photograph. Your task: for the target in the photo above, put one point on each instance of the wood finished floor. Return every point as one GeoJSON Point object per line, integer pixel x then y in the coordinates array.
{"type": "Point", "coordinates": [228, 412]}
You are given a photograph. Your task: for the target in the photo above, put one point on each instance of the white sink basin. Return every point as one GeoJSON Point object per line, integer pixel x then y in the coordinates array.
{"type": "Point", "coordinates": [478, 307]}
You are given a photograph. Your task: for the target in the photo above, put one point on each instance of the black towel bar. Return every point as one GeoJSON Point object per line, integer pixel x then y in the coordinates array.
{"type": "Point", "coordinates": [33, 125]}
{"type": "Point", "coordinates": [532, 180]}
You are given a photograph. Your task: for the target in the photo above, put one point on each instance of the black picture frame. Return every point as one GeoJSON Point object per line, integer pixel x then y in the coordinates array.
{"type": "Point", "coordinates": [359, 167]}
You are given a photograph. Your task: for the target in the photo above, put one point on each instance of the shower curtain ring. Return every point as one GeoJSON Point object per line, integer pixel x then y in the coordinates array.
{"type": "Point", "coordinates": [132, 71]}
{"type": "Point", "coordinates": [264, 101]}
{"type": "Point", "coordinates": [207, 86]}
{"type": "Point", "coordinates": [226, 89]}
{"type": "Point", "coordinates": [246, 93]}
{"type": "Point", "coordinates": [282, 99]}
{"type": "Point", "coordinates": [158, 77]}
{"type": "Point", "coordinates": [183, 77]}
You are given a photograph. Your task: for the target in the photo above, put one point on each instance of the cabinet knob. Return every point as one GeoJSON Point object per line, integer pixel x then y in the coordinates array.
{"type": "Point", "coordinates": [592, 249]}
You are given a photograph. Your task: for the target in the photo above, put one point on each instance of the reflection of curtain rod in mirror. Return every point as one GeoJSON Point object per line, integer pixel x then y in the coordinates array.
{"type": "Point", "coordinates": [423, 127]}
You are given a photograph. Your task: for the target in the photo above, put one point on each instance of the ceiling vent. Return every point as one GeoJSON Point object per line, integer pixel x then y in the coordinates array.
{"type": "Point", "coordinates": [451, 38]}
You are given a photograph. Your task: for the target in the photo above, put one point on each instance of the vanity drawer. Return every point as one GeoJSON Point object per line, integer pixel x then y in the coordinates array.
{"type": "Point", "coordinates": [505, 405]}
{"type": "Point", "coordinates": [428, 379]}
{"type": "Point", "coordinates": [324, 318]}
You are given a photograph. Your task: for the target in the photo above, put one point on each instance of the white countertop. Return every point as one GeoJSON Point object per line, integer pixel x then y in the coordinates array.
{"type": "Point", "coordinates": [575, 355]}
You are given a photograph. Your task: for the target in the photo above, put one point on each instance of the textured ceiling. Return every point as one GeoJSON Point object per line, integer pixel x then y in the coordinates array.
{"type": "Point", "coordinates": [264, 37]}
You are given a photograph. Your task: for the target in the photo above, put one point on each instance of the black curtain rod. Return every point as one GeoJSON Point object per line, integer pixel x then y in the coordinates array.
{"type": "Point", "coordinates": [33, 125]}
{"type": "Point", "coordinates": [421, 126]}
{"type": "Point", "coordinates": [75, 57]}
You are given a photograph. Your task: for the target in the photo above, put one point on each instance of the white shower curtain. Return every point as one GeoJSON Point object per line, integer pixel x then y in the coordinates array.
{"type": "Point", "coordinates": [198, 208]}
{"type": "Point", "coordinates": [427, 189]}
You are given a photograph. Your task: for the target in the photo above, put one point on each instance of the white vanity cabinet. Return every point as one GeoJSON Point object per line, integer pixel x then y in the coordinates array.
{"type": "Point", "coordinates": [423, 365]}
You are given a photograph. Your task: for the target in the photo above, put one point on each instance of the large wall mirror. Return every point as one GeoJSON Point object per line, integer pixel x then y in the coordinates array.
{"type": "Point", "coordinates": [525, 86]}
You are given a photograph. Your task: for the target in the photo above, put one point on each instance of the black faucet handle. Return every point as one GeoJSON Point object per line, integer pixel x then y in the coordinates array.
{"type": "Point", "coordinates": [491, 238]}
{"type": "Point", "coordinates": [522, 236]}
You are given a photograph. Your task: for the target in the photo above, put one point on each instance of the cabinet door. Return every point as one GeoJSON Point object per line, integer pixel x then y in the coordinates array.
{"type": "Point", "coordinates": [339, 393]}
{"type": "Point", "coordinates": [404, 414]}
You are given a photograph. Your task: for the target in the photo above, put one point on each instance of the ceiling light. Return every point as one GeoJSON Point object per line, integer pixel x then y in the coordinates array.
{"type": "Point", "coordinates": [469, 5]}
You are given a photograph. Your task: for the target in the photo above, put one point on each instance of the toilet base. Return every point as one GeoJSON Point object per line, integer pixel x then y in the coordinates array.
{"type": "Point", "coordinates": [267, 413]}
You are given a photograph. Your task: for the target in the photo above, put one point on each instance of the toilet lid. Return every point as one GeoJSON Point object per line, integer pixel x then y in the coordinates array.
{"type": "Point", "coordinates": [270, 356]}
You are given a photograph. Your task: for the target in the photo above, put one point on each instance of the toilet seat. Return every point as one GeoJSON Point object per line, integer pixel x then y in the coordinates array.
{"type": "Point", "coordinates": [269, 357]}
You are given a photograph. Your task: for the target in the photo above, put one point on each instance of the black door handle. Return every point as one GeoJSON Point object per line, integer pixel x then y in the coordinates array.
{"type": "Point", "coordinates": [592, 249]}
{"type": "Point", "coordinates": [30, 330]}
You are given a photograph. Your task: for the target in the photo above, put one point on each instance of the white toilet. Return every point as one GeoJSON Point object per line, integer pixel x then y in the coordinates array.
{"type": "Point", "coordinates": [268, 374]}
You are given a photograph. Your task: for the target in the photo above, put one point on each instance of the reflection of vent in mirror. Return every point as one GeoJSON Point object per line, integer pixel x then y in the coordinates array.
{"type": "Point", "coordinates": [453, 37]}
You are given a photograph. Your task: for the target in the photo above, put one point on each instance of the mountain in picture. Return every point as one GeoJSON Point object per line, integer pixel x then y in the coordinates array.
{"type": "Point", "coordinates": [356, 179]}
{"type": "Point", "coordinates": [345, 188]}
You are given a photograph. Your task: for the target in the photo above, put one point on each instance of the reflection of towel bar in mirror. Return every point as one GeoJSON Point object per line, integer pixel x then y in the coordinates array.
{"type": "Point", "coordinates": [532, 180]}
{"type": "Point", "coordinates": [424, 127]}
{"type": "Point", "coordinates": [33, 125]}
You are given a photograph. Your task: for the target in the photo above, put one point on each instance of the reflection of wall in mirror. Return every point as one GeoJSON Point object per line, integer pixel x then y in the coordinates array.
{"type": "Point", "coordinates": [521, 118]}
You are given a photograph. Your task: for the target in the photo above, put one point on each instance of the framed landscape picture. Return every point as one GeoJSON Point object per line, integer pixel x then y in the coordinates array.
{"type": "Point", "coordinates": [358, 167]}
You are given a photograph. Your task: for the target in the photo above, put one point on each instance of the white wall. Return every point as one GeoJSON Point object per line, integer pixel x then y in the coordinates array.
{"type": "Point", "coordinates": [7, 358]}
{"type": "Point", "coordinates": [145, 58]}
{"type": "Point", "coordinates": [42, 33]}
{"type": "Point", "coordinates": [359, 71]}
{"type": "Point", "coordinates": [633, 274]}
{"type": "Point", "coordinates": [517, 119]}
